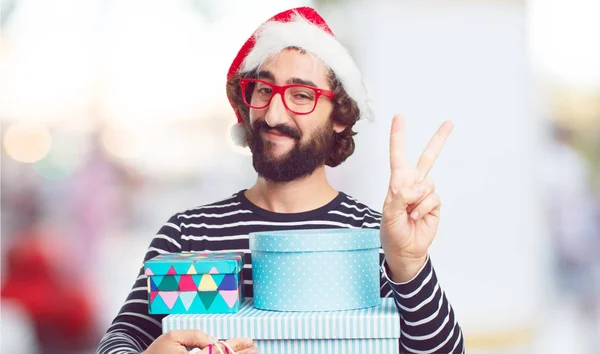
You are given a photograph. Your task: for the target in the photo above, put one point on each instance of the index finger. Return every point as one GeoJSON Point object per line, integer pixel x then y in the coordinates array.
{"type": "Point", "coordinates": [397, 152]}
{"type": "Point", "coordinates": [237, 345]}
{"type": "Point", "coordinates": [433, 149]}
{"type": "Point", "coordinates": [240, 343]}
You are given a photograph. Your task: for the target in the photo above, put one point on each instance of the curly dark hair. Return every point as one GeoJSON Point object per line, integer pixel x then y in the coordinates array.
{"type": "Point", "coordinates": [345, 112]}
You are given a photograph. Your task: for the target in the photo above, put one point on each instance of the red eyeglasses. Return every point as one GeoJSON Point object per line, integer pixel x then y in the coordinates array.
{"type": "Point", "coordinates": [297, 98]}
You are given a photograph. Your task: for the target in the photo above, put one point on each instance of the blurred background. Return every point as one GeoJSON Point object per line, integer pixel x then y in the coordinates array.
{"type": "Point", "coordinates": [114, 117]}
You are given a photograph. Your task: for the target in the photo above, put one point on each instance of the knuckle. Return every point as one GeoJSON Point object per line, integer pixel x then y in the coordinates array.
{"type": "Point", "coordinates": [170, 335]}
{"type": "Point", "coordinates": [237, 344]}
{"type": "Point", "coordinates": [198, 335]}
{"type": "Point", "coordinates": [401, 194]}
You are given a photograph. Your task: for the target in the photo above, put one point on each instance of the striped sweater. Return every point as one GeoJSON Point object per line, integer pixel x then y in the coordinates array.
{"type": "Point", "coordinates": [427, 320]}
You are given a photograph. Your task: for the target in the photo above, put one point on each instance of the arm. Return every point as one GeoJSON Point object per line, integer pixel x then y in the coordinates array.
{"type": "Point", "coordinates": [427, 321]}
{"type": "Point", "coordinates": [133, 330]}
{"type": "Point", "coordinates": [411, 214]}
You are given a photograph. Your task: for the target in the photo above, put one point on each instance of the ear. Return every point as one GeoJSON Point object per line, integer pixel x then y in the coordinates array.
{"type": "Point", "coordinates": [338, 128]}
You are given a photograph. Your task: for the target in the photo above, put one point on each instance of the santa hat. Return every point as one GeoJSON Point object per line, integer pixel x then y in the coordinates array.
{"type": "Point", "coordinates": [302, 28]}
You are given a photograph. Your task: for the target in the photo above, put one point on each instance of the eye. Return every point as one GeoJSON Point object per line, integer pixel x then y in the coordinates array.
{"type": "Point", "coordinates": [302, 96]}
{"type": "Point", "coordinates": [265, 90]}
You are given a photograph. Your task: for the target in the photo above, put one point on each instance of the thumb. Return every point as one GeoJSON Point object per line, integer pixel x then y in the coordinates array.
{"type": "Point", "coordinates": [191, 337]}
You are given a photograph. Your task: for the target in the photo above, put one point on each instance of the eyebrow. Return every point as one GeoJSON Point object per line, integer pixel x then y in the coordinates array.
{"type": "Point", "coordinates": [300, 81]}
{"type": "Point", "coordinates": [264, 74]}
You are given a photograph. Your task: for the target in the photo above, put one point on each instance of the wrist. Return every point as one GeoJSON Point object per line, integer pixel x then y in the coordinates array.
{"type": "Point", "coordinates": [404, 269]}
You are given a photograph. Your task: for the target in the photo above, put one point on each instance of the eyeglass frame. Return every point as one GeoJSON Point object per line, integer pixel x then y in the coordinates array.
{"type": "Point", "coordinates": [281, 91]}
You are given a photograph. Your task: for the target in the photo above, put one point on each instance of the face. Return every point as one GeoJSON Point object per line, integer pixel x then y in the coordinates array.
{"type": "Point", "coordinates": [286, 146]}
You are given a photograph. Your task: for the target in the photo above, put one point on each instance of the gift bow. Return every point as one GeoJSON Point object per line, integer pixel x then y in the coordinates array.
{"type": "Point", "coordinates": [228, 349]}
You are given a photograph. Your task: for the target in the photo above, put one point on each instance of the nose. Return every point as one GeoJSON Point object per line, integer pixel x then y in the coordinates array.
{"type": "Point", "coordinates": [276, 112]}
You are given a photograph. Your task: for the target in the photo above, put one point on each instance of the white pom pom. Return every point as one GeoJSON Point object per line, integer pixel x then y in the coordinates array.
{"type": "Point", "coordinates": [238, 134]}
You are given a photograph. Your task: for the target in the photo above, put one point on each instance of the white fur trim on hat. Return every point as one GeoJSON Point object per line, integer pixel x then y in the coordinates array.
{"type": "Point", "coordinates": [274, 36]}
{"type": "Point", "coordinates": [238, 134]}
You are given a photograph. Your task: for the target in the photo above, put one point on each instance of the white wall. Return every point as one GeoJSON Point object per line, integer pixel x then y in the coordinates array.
{"type": "Point", "coordinates": [466, 62]}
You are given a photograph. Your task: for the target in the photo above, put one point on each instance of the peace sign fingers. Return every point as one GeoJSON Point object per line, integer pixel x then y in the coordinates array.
{"type": "Point", "coordinates": [411, 208]}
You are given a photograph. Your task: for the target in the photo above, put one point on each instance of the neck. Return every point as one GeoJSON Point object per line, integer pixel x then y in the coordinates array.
{"type": "Point", "coordinates": [304, 194]}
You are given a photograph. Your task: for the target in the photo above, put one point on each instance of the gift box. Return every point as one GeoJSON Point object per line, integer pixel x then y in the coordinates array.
{"type": "Point", "coordinates": [370, 330]}
{"type": "Point", "coordinates": [194, 283]}
{"type": "Point", "coordinates": [315, 270]}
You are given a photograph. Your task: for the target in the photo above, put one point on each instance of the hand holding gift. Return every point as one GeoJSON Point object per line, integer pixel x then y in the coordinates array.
{"type": "Point", "coordinates": [176, 341]}
{"type": "Point", "coordinates": [411, 210]}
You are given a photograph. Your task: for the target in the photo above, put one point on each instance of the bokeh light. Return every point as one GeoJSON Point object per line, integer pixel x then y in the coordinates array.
{"type": "Point", "coordinates": [125, 143]}
{"type": "Point", "coordinates": [65, 156]}
{"type": "Point", "coordinates": [27, 142]}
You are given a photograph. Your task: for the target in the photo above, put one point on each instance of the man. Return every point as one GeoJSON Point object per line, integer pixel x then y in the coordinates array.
{"type": "Point", "coordinates": [297, 94]}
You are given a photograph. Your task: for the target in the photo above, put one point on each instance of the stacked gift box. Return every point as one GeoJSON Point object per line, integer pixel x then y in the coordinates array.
{"type": "Point", "coordinates": [194, 283]}
{"type": "Point", "coordinates": [371, 330]}
{"type": "Point", "coordinates": [315, 291]}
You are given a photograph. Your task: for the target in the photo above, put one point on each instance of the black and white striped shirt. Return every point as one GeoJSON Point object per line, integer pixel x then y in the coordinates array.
{"type": "Point", "coordinates": [427, 320]}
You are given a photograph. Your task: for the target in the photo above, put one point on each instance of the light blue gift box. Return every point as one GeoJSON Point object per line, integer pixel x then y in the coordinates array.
{"type": "Point", "coordinates": [370, 330]}
{"type": "Point", "coordinates": [315, 270]}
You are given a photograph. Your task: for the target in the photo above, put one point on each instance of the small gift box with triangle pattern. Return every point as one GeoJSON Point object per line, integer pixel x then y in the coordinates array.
{"type": "Point", "coordinates": [194, 283]}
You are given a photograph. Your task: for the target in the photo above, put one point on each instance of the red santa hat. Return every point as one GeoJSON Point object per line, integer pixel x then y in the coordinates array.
{"type": "Point", "coordinates": [303, 28]}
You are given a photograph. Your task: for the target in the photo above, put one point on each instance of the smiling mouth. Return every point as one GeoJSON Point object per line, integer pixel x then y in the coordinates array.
{"type": "Point", "coordinates": [274, 133]}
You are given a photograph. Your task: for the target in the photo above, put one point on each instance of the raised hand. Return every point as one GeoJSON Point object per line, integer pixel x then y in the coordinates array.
{"type": "Point", "coordinates": [411, 211]}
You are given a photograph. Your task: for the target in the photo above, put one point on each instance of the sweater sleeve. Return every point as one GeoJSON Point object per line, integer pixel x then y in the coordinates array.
{"type": "Point", "coordinates": [133, 329]}
{"type": "Point", "coordinates": [427, 321]}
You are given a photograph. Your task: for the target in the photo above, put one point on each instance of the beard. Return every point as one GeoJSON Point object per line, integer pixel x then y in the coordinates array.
{"type": "Point", "coordinates": [302, 160]}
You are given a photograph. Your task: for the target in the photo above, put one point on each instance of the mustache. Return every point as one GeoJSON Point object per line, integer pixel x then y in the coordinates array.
{"type": "Point", "coordinates": [262, 126]}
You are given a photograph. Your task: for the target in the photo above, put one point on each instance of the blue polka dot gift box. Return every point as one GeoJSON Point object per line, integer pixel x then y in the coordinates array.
{"type": "Point", "coordinates": [194, 283]}
{"type": "Point", "coordinates": [373, 330]}
{"type": "Point", "coordinates": [315, 270]}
